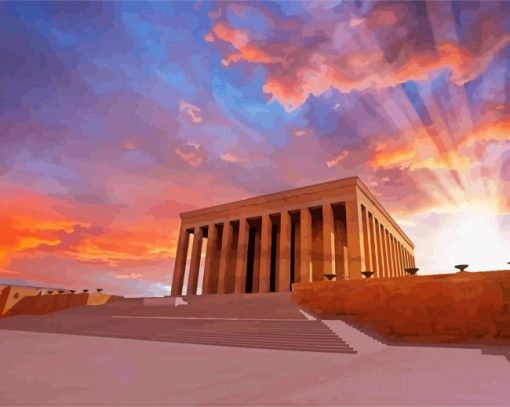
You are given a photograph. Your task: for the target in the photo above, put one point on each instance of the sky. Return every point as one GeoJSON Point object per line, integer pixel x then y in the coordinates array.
{"type": "Point", "coordinates": [115, 117]}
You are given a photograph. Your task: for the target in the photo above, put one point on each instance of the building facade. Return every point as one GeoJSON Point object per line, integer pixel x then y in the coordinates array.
{"type": "Point", "coordinates": [335, 229]}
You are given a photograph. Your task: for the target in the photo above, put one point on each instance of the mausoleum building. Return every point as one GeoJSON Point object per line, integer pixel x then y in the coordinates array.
{"type": "Point", "coordinates": [336, 229]}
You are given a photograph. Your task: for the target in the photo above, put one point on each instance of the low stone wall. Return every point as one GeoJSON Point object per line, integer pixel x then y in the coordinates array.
{"type": "Point", "coordinates": [10, 295]}
{"type": "Point", "coordinates": [460, 307]}
{"type": "Point", "coordinates": [44, 304]}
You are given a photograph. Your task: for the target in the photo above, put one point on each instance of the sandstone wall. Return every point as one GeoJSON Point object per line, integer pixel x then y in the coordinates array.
{"type": "Point", "coordinates": [465, 306]}
{"type": "Point", "coordinates": [10, 295]}
{"type": "Point", "coordinates": [43, 304]}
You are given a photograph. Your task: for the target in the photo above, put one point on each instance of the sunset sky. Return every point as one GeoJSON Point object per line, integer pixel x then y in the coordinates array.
{"type": "Point", "coordinates": [115, 117]}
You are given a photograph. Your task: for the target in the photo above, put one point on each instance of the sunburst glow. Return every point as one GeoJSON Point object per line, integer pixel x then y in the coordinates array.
{"type": "Point", "coordinates": [466, 235]}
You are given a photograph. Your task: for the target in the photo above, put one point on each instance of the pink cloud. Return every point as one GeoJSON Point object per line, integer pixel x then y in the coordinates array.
{"type": "Point", "coordinates": [192, 111]}
{"type": "Point", "coordinates": [191, 154]}
{"type": "Point", "coordinates": [131, 276]}
{"type": "Point", "coordinates": [353, 61]}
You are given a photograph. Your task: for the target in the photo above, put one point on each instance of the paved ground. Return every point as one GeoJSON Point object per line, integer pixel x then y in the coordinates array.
{"type": "Point", "coordinates": [59, 369]}
{"type": "Point", "coordinates": [140, 352]}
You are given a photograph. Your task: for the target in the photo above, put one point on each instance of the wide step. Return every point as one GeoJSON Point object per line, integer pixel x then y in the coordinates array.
{"type": "Point", "coordinates": [261, 321]}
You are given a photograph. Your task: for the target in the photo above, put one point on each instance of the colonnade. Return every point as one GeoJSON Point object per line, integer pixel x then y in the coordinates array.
{"type": "Point", "coordinates": [267, 252]}
{"type": "Point", "coordinates": [385, 254]}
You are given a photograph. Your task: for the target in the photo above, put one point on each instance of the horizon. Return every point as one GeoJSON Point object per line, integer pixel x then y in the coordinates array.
{"type": "Point", "coordinates": [116, 117]}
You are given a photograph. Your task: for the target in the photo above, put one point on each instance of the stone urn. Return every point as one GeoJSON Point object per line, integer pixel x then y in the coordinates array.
{"type": "Point", "coordinates": [367, 273]}
{"type": "Point", "coordinates": [330, 276]}
{"type": "Point", "coordinates": [411, 270]}
{"type": "Point", "coordinates": [461, 267]}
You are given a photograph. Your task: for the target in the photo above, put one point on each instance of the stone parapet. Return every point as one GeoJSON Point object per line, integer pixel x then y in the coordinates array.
{"type": "Point", "coordinates": [36, 304]}
{"type": "Point", "coordinates": [460, 307]}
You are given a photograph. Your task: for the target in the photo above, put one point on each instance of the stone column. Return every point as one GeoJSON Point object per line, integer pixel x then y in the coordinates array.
{"type": "Point", "coordinates": [210, 254]}
{"type": "Point", "coordinates": [265, 254]}
{"type": "Point", "coordinates": [390, 253]}
{"type": "Point", "coordinates": [355, 239]}
{"type": "Point", "coordinates": [180, 262]}
{"type": "Point", "coordinates": [390, 257]}
{"type": "Point", "coordinates": [394, 255]}
{"type": "Point", "coordinates": [399, 260]}
{"type": "Point", "coordinates": [404, 254]}
{"type": "Point", "coordinates": [328, 239]}
{"type": "Point", "coordinates": [256, 262]}
{"type": "Point", "coordinates": [341, 254]}
{"type": "Point", "coordinates": [397, 251]}
{"type": "Point", "coordinates": [366, 239]}
{"type": "Point", "coordinates": [402, 261]}
{"type": "Point", "coordinates": [373, 245]}
{"type": "Point", "coordinates": [283, 271]}
{"type": "Point", "coordinates": [297, 252]}
{"type": "Point", "coordinates": [384, 258]}
{"type": "Point", "coordinates": [380, 259]}
{"type": "Point", "coordinates": [194, 268]}
{"type": "Point", "coordinates": [242, 255]}
{"type": "Point", "coordinates": [306, 246]}
{"type": "Point", "coordinates": [226, 245]}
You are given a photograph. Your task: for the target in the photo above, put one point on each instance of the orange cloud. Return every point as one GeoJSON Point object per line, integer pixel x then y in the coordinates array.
{"type": "Point", "coordinates": [251, 54]}
{"type": "Point", "coordinates": [34, 226]}
{"type": "Point", "coordinates": [134, 243]}
{"type": "Point", "coordinates": [489, 132]}
{"type": "Point", "coordinates": [299, 72]}
{"type": "Point", "coordinates": [223, 32]}
{"type": "Point", "coordinates": [239, 40]}
{"type": "Point", "coordinates": [31, 222]}
{"type": "Point", "coordinates": [387, 157]}
{"type": "Point", "coordinates": [415, 149]}
{"type": "Point", "coordinates": [361, 71]}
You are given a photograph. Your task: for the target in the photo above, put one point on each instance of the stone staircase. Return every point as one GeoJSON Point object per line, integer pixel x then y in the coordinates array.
{"type": "Point", "coordinates": [263, 306]}
{"type": "Point", "coordinates": [265, 321]}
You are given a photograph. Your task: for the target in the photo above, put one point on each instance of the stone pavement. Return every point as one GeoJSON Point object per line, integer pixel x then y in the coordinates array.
{"type": "Point", "coordinates": [58, 369]}
{"type": "Point", "coordinates": [136, 352]}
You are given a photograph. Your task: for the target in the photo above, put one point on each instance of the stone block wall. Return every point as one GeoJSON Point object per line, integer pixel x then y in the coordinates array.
{"type": "Point", "coordinates": [466, 306]}
{"type": "Point", "coordinates": [32, 301]}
